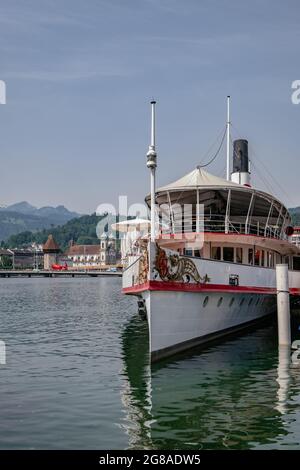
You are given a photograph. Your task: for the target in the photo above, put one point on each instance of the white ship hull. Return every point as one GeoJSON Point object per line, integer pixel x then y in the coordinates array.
{"type": "Point", "coordinates": [180, 320]}
{"type": "Point", "coordinates": [211, 299]}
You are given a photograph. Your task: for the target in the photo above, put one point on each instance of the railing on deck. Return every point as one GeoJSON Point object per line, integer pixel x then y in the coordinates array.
{"type": "Point", "coordinates": [131, 272]}
{"type": "Point", "coordinates": [221, 224]}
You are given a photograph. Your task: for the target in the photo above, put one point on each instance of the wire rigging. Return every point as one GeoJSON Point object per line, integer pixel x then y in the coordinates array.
{"type": "Point", "coordinates": [273, 181]}
{"type": "Point", "coordinates": [217, 152]}
{"type": "Point", "coordinates": [277, 183]}
{"type": "Point", "coordinates": [211, 160]}
{"type": "Point", "coordinates": [261, 177]}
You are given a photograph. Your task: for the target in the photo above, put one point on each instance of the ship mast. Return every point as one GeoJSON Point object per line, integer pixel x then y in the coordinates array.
{"type": "Point", "coordinates": [228, 140]}
{"type": "Point", "coordinates": [151, 163]}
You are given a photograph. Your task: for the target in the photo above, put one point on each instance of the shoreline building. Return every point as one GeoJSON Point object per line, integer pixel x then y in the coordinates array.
{"type": "Point", "coordinates": [83, 256]}
{"type": "Point", "coordinates": [22, 258]}
{"type": "Point", "coordinates": [98, 256]}
{"type": "Point", "coordinates": [51, 250]}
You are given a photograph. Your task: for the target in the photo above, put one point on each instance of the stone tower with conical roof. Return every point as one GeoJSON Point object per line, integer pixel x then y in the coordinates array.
{"type": "Point", "coordinates": [51, 251]}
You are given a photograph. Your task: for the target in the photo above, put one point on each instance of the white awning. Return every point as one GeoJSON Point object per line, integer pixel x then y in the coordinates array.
{"type": "Point", "coordinates": [138, 225]}
{"type": "Point", "coordinates": [196, 179]}
{"type": "Point", "coordinates": [202, 180]}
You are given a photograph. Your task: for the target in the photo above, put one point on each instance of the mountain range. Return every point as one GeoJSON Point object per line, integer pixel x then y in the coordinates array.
{"type": "Point", "coordinates": [23, 216]}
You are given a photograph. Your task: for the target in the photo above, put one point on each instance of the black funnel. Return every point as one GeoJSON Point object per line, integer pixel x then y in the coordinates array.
{"type": "Point", "coordinates": [240, 156]}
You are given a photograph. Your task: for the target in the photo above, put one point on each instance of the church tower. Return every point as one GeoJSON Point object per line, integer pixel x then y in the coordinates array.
{"type": "Point", "coordinates": [103, 248]}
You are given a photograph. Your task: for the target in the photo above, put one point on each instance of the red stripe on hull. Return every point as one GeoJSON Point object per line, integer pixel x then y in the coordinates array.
{"type": "Point", "coordinates": [136, 289]}
{"type": "Point", "coordinates": [185, 287]}
{"type": "Point", "coordinates": [294, 291]}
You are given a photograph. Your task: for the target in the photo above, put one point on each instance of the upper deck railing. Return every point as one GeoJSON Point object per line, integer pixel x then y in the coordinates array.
{"type": "Point", "coordinates": [222, 224]}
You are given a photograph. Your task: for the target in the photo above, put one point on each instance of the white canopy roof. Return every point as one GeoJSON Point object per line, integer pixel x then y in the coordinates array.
{"type": "Point", "coordinates": [198, 178]}
{"type": "Point", "coordinates": [201, 179]}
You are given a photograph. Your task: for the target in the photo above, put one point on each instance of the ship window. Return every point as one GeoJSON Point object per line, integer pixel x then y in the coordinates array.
{"type": "Point", "coordinates": [205, 301]}
{"type": "Point", "coordinates": [262, 258]}
{"type": "Point", "coordinates": [257, 257]}
{"type": "Point", "coordinates": [250, 302]}
{"type": "Point", "coordinates": [197, 253]}
{"type": "Point", "coordinates": [216, 252]}
{"type": "Point", "coordinates": [250, 256]}
{"type": "Point", "coordinates": [231, 302]}
{"type": "Point", "coordinates": [188, 252]}
{"type": "Point", "coordinates": [238, 255]}
{"type": "Point", "coordinates": [220, 301]}
{"type": "Point", "coordinates": [228, 253]}
{"type": "Point", "coordinates": [257, 301]}
{"type": "Point", "coordinates": [242, 301]}
{"type": "Point", "coordinates": [296, 263]}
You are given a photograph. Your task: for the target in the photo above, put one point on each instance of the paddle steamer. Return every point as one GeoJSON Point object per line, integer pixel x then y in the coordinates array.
{"type": "Point", "coordinates": [208, 266]}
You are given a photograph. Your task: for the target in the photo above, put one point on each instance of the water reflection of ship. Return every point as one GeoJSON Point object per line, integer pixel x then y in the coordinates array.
{"type": "Point", "coordinates": [295, 306]}
{"type": "Point", "coordinates": [230, 396]}
{"type": "Point", "coordinates": [136, 395]}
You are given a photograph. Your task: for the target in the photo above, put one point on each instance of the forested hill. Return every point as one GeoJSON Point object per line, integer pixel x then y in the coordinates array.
{"type": "Point", "coordinates": [81, 230]}
{"type": "Point", "coordinates": [295, 213]}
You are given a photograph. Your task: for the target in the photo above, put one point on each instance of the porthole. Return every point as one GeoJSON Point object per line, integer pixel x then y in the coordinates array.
{"type": "Point", "coordinates": [220, 301]}
{"type": "Point", "coordinates": [231, 302]}
{"type": "Point", "coordinates": [242, 301]}
{"type": "Point", "coordinates": [205, 301]}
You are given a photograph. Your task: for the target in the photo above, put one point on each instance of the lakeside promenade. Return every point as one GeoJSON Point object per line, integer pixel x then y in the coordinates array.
{"type": "Point", "coordinates": [63, 273]}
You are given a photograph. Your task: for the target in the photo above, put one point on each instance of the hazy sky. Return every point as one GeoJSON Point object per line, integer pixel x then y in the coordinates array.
{"type": "Point", "coordinates": [80, 74]}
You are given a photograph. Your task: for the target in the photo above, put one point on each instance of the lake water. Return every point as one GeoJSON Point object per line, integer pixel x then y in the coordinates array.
{"type": "Point", "coordinates": [78, 376]}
